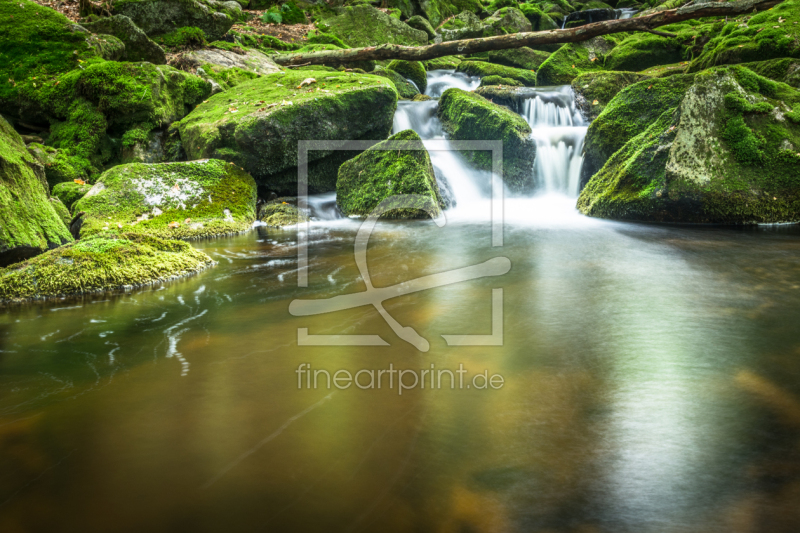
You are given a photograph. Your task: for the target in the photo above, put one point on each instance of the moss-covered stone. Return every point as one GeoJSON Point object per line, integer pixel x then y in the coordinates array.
{"type": "Point", "coordinates": [29, 223]}
{"type": "Point", "coordinates": [412, 70]}
{"type": "Point", "coordinates": [420, 23]}
{"type": "Point", "coordinates": [365, 25]}
{"type": "Point", "coordinates": [259, 123]}
{"type": "Point", "coordinates": [70, 192]}
{"type": "Point", "coordinates": [594, 90]}
{"type": "Point", "coordinates": [442, 63]}
{"type": "Point", "coordinates": [158, 17]}
{"type": "Point", "coordinates": [499, 80]}
{"type": "Point", "coordinates": [629, 113]}
{"type": "Point", "coordinates": [468, 116]}
{"type": "Point", "coordinates": [785, 70]}
{"type": "Point", "coordinates": [404, 88]}
{"type": "Point", "coordinates": [138, 47]}
{"type": "Point", "coordinates": [524, 58]}
{"type": "Point", "coordinates": [770, 34]}
{"type": "Point", "coordinates": [465, 25]}
{"type": "Point", "coordinates": [280, 213]}
{"type": "Point", "coordinates": [437, 11]}
{"type": "Point", "coordinates": [506, 20]}
{"type": "Point", "coordinates": [100, 264]}
{"type": "Point", "coordinates": [228, 68]}
{"type": "Point", "coordinates": [482, 68]}
{"type": "Point", "coordinates": [170, 200]}
{"type": "Point", "coordinates": [726, 153]}
{"type": "Point", "coordinates": [574, 59]}
{"type": "Point", "coordinates": [61, 210]}
{"type": "Point", "coordinates": [398, 166]}
{"type": "Point", "coordinates": [540, 21]}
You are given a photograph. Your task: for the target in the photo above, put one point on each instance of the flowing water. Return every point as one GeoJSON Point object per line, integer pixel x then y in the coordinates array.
{"type": "Point", "coordinates": [651, 377]}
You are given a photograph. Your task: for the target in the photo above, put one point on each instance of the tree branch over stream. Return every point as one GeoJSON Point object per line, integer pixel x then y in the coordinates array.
{"type": "Point", "coordinates": [645, 23]}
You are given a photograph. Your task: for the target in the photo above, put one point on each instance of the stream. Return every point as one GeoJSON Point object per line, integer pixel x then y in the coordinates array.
{"type": "Point", "coordinates": [651, 375]}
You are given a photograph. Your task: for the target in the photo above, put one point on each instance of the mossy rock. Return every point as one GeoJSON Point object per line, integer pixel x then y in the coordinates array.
{"type": "Point", "coordinates": [412, 70]}
{"type": "Point", "coordinates": [482, 68]}
{"type": "Point", "coordinates": [159, 17]}
{"type": "Point", "coordinates": [420, 23]}
{"type": "Point", "coordinates": [726, 153]}
{"type": "Point", "coordinates": [506, 20]}
{"type": "Point", "coordinates": [280, 214]}
{"type": "Point", "coordinates": [320, 37]}
{"type": "Point", "coordinates": [398, 166]}
{"type": "Point", "coordinates": [499, 80]}
{"type": "Point", "coordinates": [259, 123]}
{"type": "Point", "coordinates": [61, 210]}
{"type": "Point", "coordinates": [762, 37]}
{"type": "Point", "coordinates": [365, 25]}
{"type": "Point", "coordinates": [465, 25]}
{"type": "Point", "coordinates": [100, 264]}
{"type": "Point", "coordinates": [404, 88]}
{"type": "Point", "coordinates": [217, 64]}
{"type": "Point", "coordinates": [594, 90]}
{"type": "Point", "coordinates": [29, 223]}
{"type": "Point", "coordinates": [540, 21]}
{"type": "Point", "coordinates": [629, 113]}
{"type": "Point", "coordinates": [70, 192]}
{"type": "Point", "coordinates": [785, 70]}
{"type": "Point", "coordinates": [170, 200]}
{"type": "Point", "coordinates": [442, 63]}
{"type": "Point", "coordinates": [524, 57]}
{"type": "Point", "coordinates": [437, 11]}
{"type": "Point", "coordinates": [468, 116]}
{"type": "Point", "coordinates": [138, 47]}
{"type": "Point", "coordinates": [664, 71]}
{"type": "Point", "coordinates": [574, 59]}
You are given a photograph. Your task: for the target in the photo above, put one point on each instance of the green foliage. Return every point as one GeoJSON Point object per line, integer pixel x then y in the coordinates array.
{"type": "Point", "coordinates": [100, 264]}
{"type": "Point", "coordinates": [272, 16]}
{"type": "Point", "coordinates": [188, 37]}
{"type": "Point", "coordinates": [292, 14]}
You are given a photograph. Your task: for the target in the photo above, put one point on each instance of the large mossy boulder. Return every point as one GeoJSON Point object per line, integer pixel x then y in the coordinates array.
{"type": "Point", "coordinates": [594, 90]}
{"type": "Point", "coordinates": [29, 224]}
{"type": "Point", "coordinates": [727, 151]}
{"type": "Point", "coordinates": [770, 34]}
{"type": "Point", "coordinates": [468, 116]}
{"type": "Point", "coordinates": [170, 200]}
{"type": "Point", "coordinates": [442, 63]}
{"type": "Point", "coordinates": [524, 58]}
{"type": "Point", "coordinates": [159, 17]}
{"type": "Point", "coordinates": [101, 264]}
{"type": "Point", "coordinates": [574, 59]}
{"type": "Point", "coordinates": [630, 112]}
{"type": "Point", "coordinates": [399, 166]}
{"type": "Point", "coordinates": [364, 25]}
{"type": "Point", "coordinates": [506, 20]}
{"type": "Point", "coordinates": [70, 192]}
{"type": "Point", "coordinates": [138, 46]}
{"type": "Point", "coordinates": [465, 25]}
{"type": "Point", "coordinates": [540, 21]}
{"type": "Point", "coordinates": [437, 11]}
{"type": "Point", "coordinates": [421, 23]}
{"type": "Point", "coordinates": [412, 70]}
{"type": "Point", "coordinates": [259, 124]}
{"type": "Point", "coordinates": [482, 68]}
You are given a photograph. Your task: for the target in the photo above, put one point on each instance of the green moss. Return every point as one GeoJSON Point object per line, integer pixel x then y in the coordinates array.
{"type": "Point", "coordinates": [506, 20]}
{"type": "Point", "coordinates": [412, 70]}
{"type": "Point", "coordinates": [292, 14]}
{"type": "Point", "coordinates": [70, 192]}
{"type": "Point", "coordinates": [158, 17]}
{"type": "Point", "coordinates": [229, 77]}
{"type": "Point", "coordinates": [481, 68]}
{"type": "Point", "coordinates": [265, 43]}
{"type": "Point", "coordinates": [594, 90]}
{"type": "Point", "coordinates": [184, 38]}
{"type": "Point", "coordinates": [498, 80]}
{"type": "Point", "coordinates": [100, 264]}
{"type": "Point", "coordinates": [396, 167]}
{"type": "Point", "coordinates": [170, 200]}
{"type": "Point", "coordinates": [320, 37]}
{"type": "Point", "coordinates": [404, 88]}
{"type": "Point", "coordinates": [280, 214]}
{"type": "Point", "coordinates": [524, 58]}
{"type": "Point", "coordinates": [442, 63]}
{"type": "Point", "coordinates": [29, 223]}
{"type": "Point", "coordinates": [367, 26]}
{"type": "Point", "coordinates": [258, 124]}
{"type": "Point", "coordinates": [540, 21]}
{"type": "Point", "coordinates": [436, 11]}
{"type": "Point", "coordinates": [574, 59]}
{"type": "Point", "coordinates": [467, 116]}
{"type": "Point", "coordinates": [762, 37]}
{"type": "Point", "coordinates": [420, 23]}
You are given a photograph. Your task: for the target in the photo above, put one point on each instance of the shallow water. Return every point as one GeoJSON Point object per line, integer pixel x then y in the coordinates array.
{"type": "Point", "coordinates": [651, 384]}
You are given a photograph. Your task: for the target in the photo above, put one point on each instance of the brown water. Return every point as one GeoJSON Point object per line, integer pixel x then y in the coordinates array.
{"type": "Point", "coordinates": [652, 384]}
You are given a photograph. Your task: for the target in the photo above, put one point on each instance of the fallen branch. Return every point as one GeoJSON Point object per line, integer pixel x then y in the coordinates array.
{"type": "Point", "coordinates": [516, 40]}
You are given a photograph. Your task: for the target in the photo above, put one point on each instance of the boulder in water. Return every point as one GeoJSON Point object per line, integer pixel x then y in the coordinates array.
{"type": "Point", "coordinates": [482, 68]}
{"type": "Point", "coordinates": [29, 223]}
{"type": "Point", "coordinates": [379, 173]}
{"type": "Point", "coordinates": [100, 264]}
{"type": "Point", "coordinates": [725, 150]}
{"type": "Point", "coordinates": [259, 123]}
{"type": "Point", "coordinates": [281, 212]}
{"type": "Point", "coordinates": [170, 200]}
{"type": "Point", "coordinates": [468, 116]}
{"type": "Point", "coordinates": [159, 17]}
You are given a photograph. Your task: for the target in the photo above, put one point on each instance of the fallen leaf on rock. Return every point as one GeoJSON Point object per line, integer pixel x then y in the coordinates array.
{"type": "Point", "coordinates": [79, 182]}
{"type": "Point", "coordinates": [595, 102]}
{"type": "Point", "coordinates": [173, 224]}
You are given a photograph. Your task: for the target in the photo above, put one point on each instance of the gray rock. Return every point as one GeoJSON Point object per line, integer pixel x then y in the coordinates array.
{"type": "Point", "coordinates": [138, 47]}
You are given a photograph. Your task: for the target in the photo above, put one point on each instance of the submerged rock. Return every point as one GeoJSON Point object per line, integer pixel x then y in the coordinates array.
{"type": "Point", "coordinates": [158, 17]}
{"type": "Point", "coordinates": [259, 123]}
{"type": "Point", "coordinates": [481, 68]}
{"type": "Point", "coordinates": [170, 200]}
{"type": "Point", "coordinates": [138, 47]}
{"type": "Point", "coordinates": [29, 223]}
{"type": "Point", "coordinates": [468, 116]}
{"type": "Point", "coordinates": [386, 170]}
{"type": "Point", "coordinates": [101, 264]}
{"type": "Point", "coordinates": [364, 25]}
{"type": "Point", "coordinates": [726, 150]}
{"type": "Point", "coordinates": [279, 213]}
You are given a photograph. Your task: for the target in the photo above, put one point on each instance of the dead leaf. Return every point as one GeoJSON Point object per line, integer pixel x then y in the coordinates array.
{"type": "Point", "coordinates": [79, 182]}
{"type": "Point", "coordinates": [174, 224]}
{"type": "Point", "coordinates": [595, 102]}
